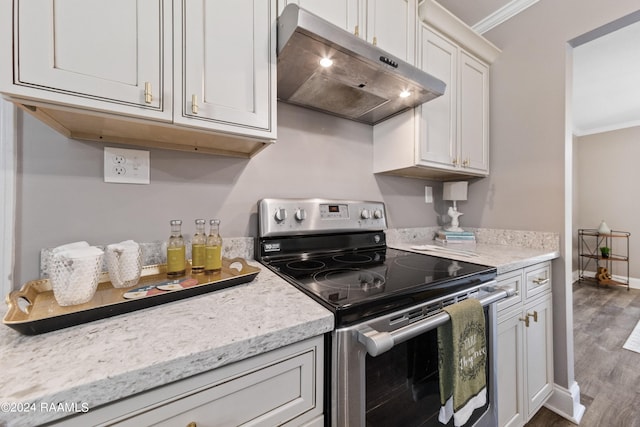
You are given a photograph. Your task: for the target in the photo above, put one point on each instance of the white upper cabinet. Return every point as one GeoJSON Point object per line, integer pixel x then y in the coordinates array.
{"type": "Point", "coordinates": [437, 124]}
{"type": "Point", "coordinates": [110, 51]}
{"type": "Point", "coordinates": [455, 126]}
{"type": "Point", "coordinates": [343, 13]}
{"type": "Point", "coordinates": [473, 114]}
{"type": "Point", "coordinates": [227, 69]}
{"type": "Point", "coordinates": [391, 25]}
{"type": "Point", "coordinates": [194, 75]}
{"type": "Point", "coordinates": [388, 24]}
{"type": "Point", "coordinates": [448, 137]}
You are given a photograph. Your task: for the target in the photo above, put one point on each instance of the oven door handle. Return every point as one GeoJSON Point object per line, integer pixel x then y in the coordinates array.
{"type": "Point", "coordinates": [378, 342]}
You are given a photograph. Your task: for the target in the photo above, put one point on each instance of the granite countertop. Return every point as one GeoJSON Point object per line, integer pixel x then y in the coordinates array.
{"type": "Point", "coordinates": [504, 258]}
{"type": "Point", "coordinates": [507, 250]}
{"type": "Point", "coordinates": [109, 359]}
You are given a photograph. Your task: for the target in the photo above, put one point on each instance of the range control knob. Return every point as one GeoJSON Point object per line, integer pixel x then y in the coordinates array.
{"type": "Point", "coordinates": [281, 214]}
{"type": "Point", "coordinates": [301, 215]}
{"type": "Point", "coordinates": [365, 214]}
{"type": "Point", "coordinates": [377, 214]}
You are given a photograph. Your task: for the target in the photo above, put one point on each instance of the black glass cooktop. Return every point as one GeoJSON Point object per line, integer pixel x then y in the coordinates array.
{"type": "Point", "coordinates": [360, 284]}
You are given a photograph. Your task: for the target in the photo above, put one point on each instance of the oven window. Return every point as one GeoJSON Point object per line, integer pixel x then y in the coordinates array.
{"type": "Point", "coordinates": [402, 385]}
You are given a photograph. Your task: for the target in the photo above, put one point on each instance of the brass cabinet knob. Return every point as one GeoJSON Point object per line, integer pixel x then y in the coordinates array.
{"type": "Point", "coordinates": [534, 315]}
{"type": "Point", "coordinates": [525, 320]}
{"type": "Point", "coordinates": [192, 424]}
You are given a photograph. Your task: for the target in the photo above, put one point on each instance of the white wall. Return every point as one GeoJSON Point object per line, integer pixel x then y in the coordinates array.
{"type": "Point", "coordinates": [61, 196]}
{"type": "Point", "coordinates": [608, 176]}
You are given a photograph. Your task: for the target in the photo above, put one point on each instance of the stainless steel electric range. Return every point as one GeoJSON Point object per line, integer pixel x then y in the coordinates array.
{"type": "Point", "coordinates": [382, 356]}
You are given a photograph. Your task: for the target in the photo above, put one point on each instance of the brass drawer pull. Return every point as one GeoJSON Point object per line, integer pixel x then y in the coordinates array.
{"type": "Point", "coordinates": [525, 320]}
{"type": "Point", "coordinates": [541, 281]}
{"type": "Point", "coordinates": [534, 315]}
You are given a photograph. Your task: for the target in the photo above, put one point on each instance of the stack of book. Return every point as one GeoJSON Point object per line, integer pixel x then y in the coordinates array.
{"type": "Point", "coordinates": [445, 236]}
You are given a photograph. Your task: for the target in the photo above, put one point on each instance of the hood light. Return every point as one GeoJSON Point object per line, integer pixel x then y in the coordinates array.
{"type": "Point", "coordinates": [326, 62]}
{"type": "Point", "coordinates": [405, 93]}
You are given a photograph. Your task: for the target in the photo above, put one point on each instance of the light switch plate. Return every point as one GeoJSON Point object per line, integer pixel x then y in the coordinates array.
{"type": "Point", "coordinates": [126, 166]}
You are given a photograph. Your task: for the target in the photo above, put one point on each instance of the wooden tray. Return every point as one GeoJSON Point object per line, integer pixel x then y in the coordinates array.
{"type": "Point", "coordinates": [33, 309]}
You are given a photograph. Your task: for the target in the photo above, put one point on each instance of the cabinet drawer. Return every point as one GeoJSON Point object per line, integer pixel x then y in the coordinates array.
{"type": "Point", "coordinates": [537, 280]}
{"type": "Point", "coordinates": [281, 387]}
{"type": "Point", "coordinates": [272, 395]}
{"type": "Point", "coordinates": [513, 281]}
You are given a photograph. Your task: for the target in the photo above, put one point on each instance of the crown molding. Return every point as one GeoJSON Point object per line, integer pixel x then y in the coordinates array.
{"type": "Point", "coordinates": [503, 14]}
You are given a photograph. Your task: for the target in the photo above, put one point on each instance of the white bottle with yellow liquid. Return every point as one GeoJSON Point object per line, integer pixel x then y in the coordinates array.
{"type": "Point", "coordinates": [176, 260]}
{"type": "Point", "coordinates": [213, 248]}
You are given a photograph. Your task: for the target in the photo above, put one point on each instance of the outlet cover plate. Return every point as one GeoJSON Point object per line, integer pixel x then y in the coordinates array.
{"type": "Point", "coordinates": [125, 166]}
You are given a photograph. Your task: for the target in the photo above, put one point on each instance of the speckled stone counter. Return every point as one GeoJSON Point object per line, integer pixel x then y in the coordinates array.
{"type": "Point", "coordinates": [507, 250]}
{"type": "Point", "coordinates": [109, 359]}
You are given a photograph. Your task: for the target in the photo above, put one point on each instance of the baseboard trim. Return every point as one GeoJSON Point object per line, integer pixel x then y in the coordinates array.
{"type": "Point", "coordinates": [566, 402]}
{"type": "Point", "coordinates": [634, 283]}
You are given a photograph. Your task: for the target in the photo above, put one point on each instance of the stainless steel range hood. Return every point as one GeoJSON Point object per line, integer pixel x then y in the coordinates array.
{"type": "Point", "coordinates": [364, 83]}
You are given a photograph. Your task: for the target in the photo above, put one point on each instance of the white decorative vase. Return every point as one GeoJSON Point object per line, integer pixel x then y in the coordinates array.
{"type": "Point", "coordinates": [604, 228]}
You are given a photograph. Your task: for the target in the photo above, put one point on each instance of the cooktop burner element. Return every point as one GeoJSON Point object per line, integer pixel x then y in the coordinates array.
{"type": "Point", "coordinates": [305, 265]}
{"type": "Point", "coordinates": [335, 251]}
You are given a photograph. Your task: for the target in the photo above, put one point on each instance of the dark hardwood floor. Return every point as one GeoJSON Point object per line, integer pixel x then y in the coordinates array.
{"type": "Point", "coordinates": [608, 375]}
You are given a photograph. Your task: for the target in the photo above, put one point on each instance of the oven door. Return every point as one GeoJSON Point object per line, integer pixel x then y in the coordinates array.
{"type": "Point", "coordinates": [383, 376]}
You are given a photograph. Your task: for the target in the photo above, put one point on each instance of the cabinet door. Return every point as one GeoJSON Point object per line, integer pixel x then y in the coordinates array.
{"type": "Point", "coordinates": [391, 25]}
{"type": "Point", "coordinates": [109, 50]}
{"type": "Point", "coordinates": [473, 111]}
{"type": "Point", "coordinates": [510, 371]}
{"type": "Point", "coordinates": [437, 133]}
{"type": "Point", "coordinates": [539, 353]}
{"type": "Point", "coordinates": [343, 13]}
{"type": "Point", "coordinates": [228, 65]}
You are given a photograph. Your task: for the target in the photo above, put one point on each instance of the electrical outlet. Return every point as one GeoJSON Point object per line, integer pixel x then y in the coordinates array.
{"type": "Point", "coordinates": [126, 166]}
{"type": "Point", "coordinates": [428, 194]}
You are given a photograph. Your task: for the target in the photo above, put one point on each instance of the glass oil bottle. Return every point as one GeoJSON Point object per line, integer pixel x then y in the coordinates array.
{"type": "Point", "coordinates": [176, 260]}
{"type": "Point", "coordinates": [198, 244]}
{"type": "Point", "coordinates": [213, 248]}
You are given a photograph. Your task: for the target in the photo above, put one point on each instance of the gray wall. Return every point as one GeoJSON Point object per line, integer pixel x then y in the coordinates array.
{"type": "Point", "coordinates": [61, 196]}
{"type": "Point", "coordinates": [528, 136]}
{"type": "Point", "coordinates": [607, 169]}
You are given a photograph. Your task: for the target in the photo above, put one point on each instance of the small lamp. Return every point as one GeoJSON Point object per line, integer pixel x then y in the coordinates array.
{"type": "Point", "coordinates": [454, 191]}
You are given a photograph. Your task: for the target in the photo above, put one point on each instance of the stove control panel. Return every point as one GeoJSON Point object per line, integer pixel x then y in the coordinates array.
{"type": "Point", "coordinates": [289, 217]}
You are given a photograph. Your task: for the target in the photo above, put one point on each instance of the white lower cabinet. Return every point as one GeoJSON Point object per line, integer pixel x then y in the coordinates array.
{"type": "Point", "coordinates": [281, 387]}
{"type": "Point", "coordinates": [525, 346]}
